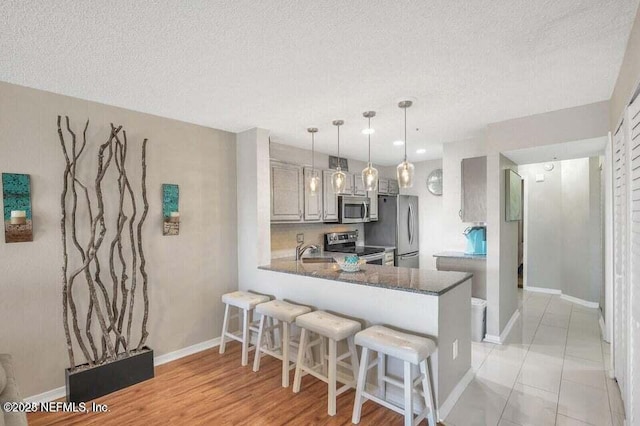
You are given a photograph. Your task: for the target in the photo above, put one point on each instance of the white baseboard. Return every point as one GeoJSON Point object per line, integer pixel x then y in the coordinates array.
{"type": "Point", "coordinates": [189, 350]}
{"type": "Point", "coordinates": [594, 305]}
{"type": "Point", "coordinates": [61, 392]}
{"type": "Point", "coordinates": [505, 333]}
{"type": "Point", "coordinates": [447, 405]}
{"type": "Point", "coordinates": [603, 329]}
{"type": "Point", "coordinates": [47, 396]}
{"type": "Point", "coordinates": [542, 290]}
{"type": "Point", "coordinates": [566, 297]}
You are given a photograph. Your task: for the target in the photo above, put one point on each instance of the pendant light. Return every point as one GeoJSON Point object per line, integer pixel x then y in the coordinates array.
{"type": "Point", "coordinates": [405, 169]}
{"type": "Point", "coordinates": [338, 178]}
{"type": "Point", "coordinates": [314, 180]}
{"type": "Point", "coordinates": [370, 173]}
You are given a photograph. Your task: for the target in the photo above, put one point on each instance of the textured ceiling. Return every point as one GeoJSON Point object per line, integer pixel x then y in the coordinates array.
{"type": "Point", "coordinates": [284, 65]}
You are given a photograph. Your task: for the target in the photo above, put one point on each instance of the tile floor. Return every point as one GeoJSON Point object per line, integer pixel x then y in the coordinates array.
{"type": "Point", "coordinates": [551, 371]}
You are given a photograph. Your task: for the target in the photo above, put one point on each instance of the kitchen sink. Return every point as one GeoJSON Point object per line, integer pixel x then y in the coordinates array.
{"type": "Point", "coordinates": [318, 260]}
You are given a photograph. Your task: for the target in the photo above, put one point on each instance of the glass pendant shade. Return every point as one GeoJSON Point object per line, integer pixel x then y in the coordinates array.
{"type": "Point", "coordinates": [405, 169]}
{"type": "Point", "coordinates": [370, 178]}
{"type": "Point", "coordinates": [405, 174]}
{"type": "Point", "coordinates": [338, 181]}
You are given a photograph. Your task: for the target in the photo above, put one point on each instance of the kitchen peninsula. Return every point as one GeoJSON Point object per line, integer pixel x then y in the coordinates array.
{"type": "Point", "coordinates": [431, 303]}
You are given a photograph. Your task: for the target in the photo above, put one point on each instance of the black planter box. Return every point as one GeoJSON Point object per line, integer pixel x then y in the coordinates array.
{"type": "Point", "coordinates": [87, 384]}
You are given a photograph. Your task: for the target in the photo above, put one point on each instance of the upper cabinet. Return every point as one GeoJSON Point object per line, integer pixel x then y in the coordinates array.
{"type": "Point", "coordinates": [348, 186]}
{"type": "Point", "coordinates": [286, 192]}
{"type": "Point", "coordinates": [373, 206]}
{"type": "Point", "coordinates": [329, 198]}
{"type": "Point", "coordinates": [358, 185]}
{"type": "Point", "coordinates": [394, 189]}
{"type": "Point", "coordinates": [312, 200]}
{"type": "Point", "coordinates": [474, 190]}
{"type": "Point", "coordinates": [383, 186]}
{"type": "Point", "coordinates": [388, 187]}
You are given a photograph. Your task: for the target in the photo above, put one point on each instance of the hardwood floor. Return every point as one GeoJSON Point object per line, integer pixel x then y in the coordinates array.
{"type": "Point", "coordinates": [212, 389]}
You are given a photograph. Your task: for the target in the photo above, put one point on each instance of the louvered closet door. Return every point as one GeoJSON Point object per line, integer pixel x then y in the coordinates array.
{"type": "Point", "coordinates": [633, 116]}
{"type": "Point", "coordinates": [620, 320]}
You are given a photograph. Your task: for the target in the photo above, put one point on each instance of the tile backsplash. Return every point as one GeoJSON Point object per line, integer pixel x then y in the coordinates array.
{"type": "Point", "coordinates": [283, 235]}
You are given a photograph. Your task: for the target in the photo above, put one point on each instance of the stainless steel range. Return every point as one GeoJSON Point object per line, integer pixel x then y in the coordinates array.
{"type": "Point", "coordinates": [345, 242]}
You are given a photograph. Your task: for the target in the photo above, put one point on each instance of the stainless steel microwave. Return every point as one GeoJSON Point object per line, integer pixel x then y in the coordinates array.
{"type": "Point", "coordinates": [353, 209]}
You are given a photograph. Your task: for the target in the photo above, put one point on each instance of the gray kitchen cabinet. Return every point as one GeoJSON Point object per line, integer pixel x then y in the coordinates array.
{"type": "Point", "coordinates": [373, 206]}
{"type": "Point", "coordinates": [329, 199]}
{"type": "Point", "coordinates": [358, 185]}
{"type": "Point", "coordinates": [383, 186]}
{"type": "Point", "coordinates": [312, 200]}
{"type": "Point", "coordinates": [287, 184]}
{"type": "Point", "coordinates": [348, 187]}
{"type": "Point", "coordinates": [394, 189]}
{"type": "Point", "coordinates": [474, 190]}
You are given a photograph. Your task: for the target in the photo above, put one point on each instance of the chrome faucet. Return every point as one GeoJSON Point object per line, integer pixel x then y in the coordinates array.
{"type": "Point", "coordinates": [300, 249]}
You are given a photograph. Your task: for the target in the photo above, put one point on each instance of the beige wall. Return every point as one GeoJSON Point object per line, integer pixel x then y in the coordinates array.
{"type": "Point", "coordinates": [187, 273]}
{"type": "Point", "coordinates": [629, 76]}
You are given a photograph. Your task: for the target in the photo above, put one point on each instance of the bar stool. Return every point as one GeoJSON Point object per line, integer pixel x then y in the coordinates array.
{"type": "Point", "coordinates": [245, 302]}
{"type": "Point", "coordinates": [411, 349]}
{"type": "Point", "coordinates": [334, 329]}
{"type": "Point", "coordinates": [285, 313]}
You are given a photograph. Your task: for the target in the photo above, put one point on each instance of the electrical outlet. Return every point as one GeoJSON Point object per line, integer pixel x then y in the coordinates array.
{"type": "Point", "coordinates": [455, 349]}
{"type": "Point", "coordinates": [300, 238]}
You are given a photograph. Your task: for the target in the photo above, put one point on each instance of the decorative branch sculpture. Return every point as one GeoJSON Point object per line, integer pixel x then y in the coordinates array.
{"type": "Point", "coordinates": [102, 303]}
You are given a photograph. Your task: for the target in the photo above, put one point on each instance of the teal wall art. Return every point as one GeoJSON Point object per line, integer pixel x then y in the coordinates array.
{"type": "Point", "coordinates": [170, 209]}
{"type": "Point", "coordinates": [16, 197]}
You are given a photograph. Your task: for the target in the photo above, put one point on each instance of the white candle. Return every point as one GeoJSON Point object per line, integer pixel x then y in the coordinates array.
{"type": "Point", "coordinates": [18, 213]}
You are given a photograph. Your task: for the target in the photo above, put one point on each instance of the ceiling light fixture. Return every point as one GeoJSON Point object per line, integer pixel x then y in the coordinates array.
{"type": "Point", "coordinates": [368, 131]}
{"type": "Point", "coordinates": [314, 180]}
{"type": "Point", "coordinates": [421, 151]}
{"type": "Point", "coordinates": [405, 169]}
{"type": "Point", "coordinates": [338, 178]}
{"type": "Point", "coordinates": [398, 143]}
{"type": "Point", "coordinates": [370, 173]}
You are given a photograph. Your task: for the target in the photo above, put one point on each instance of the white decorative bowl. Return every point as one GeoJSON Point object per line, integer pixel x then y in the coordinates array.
{"type": "Point", "coordinates": [350, 267]}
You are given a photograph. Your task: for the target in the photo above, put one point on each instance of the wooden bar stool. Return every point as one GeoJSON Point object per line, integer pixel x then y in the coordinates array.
{"type": "Point", "coordinates": [285, 313]}
{"type": "Point", "coordinates": [411, 349]}
{"type": "Point", "coordinates": [334, 329]}
{"type": "Point", "coordinates": [245, 303]}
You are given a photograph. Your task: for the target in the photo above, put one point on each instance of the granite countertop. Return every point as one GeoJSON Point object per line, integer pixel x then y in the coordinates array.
{"type": "Point", "coordinates": [461, 255]}
{"type": "Point", "coordinates": [422, 281]}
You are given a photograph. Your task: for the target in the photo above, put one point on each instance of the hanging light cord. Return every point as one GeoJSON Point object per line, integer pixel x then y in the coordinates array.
{"type": "Point", "coordinates": [405, 134]}
{"type": "Point", "coordinates": [369, 135]}
{"type": "Point", "coordinates": [313, 157]}
{"type": "Point", "coordinates": [338, 126]}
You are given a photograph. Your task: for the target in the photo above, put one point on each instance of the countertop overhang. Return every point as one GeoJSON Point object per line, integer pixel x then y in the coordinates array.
{"type": "Point", "coordinates": [423, 281]}
{"type": "Point", "coordinates": [460, 255]}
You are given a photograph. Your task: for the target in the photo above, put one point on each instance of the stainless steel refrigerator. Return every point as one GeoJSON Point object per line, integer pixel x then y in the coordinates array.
{"type": "Point", "coordinates": [397, 226]}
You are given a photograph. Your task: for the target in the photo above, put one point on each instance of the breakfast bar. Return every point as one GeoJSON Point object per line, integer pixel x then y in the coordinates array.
{"type": "Point", "coordinates": [433, 304]}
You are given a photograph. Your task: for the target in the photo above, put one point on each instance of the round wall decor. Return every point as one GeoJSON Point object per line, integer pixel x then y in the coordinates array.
{"type": "Point", "coordinates": [434, 182]}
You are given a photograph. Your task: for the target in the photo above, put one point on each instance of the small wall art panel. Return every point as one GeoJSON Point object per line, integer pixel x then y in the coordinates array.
{"type": "Point", "coordinates": [170, 209]}
{"type": "Point", "coordinates": [16, 197]}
